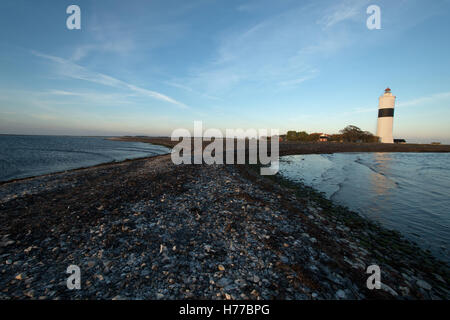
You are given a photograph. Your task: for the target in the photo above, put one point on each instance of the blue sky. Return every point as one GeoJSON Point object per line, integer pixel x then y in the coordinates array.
{"type": "Point", "coordinates": [148, 67]}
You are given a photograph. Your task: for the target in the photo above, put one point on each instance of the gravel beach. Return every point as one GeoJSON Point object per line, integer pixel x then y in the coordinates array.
{"type": "Point", "coordinates": [147, 229]}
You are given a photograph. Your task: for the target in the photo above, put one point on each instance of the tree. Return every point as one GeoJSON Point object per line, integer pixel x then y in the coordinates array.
{"type": "Point", "coordinates": [302, 136]}
{"type": "Point", "coordinates": [291, 136]}
{"type": "Point", "coordinates": [354, 134]}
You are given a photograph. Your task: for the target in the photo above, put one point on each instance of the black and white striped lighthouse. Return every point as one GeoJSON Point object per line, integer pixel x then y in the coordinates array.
{"type": "Point", "coordinates": [386, 117]}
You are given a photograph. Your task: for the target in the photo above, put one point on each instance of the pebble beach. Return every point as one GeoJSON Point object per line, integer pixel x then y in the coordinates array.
{"type": "Point", "coordinates": [147, 229]}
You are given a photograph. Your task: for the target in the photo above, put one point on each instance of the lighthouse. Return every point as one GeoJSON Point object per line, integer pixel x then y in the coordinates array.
{"type": "Point", "coordinates": [386, 117]}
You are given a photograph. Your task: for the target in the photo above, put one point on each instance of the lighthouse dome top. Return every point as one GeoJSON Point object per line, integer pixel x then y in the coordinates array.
{"type": "Point", "coordinates": [387, 89]}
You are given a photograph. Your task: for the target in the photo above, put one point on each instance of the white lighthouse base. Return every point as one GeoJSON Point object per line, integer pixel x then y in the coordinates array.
{"type": "Point", "coordinates": [384, 129]}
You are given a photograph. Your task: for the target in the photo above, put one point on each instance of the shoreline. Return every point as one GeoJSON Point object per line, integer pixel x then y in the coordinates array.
{"type": "Point", "coordinates": [128, 223]}
{"type": "Point", "coordinates": [292, 148]}
{"type": "Point", "coordinates": [286, 148]}
{"type": "Point", "coordinates": [78, 169]}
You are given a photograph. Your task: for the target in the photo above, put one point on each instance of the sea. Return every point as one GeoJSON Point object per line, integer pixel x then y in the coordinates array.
{"type": "Point", "coordinates": [407, 192]}
{"type": "Point", "coordinates": [26, 156]}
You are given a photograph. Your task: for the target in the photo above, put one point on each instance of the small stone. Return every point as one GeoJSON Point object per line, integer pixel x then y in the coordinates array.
{"type": "Point", "coordinates": [29, 294]}
{"type": "Point", "coordinates": [6, 243]}
{"type": "Point", "coordinates": [423, 284]}
{"type": "Point", "coordinates": [386, 288]}
{"type": "Point", "coordinates": [159, 296]}
{"type": "Point", "coordinates": [340, 294]}
{"type": "Point", "coordinates": [221, 267]}
{"type": "Point", "coordinates": [27, 250]}
{"type": "Point", "coordinates": [404, 290]}
{"type": "Point", "coordinates": [439, 277]}
{"type": "Point", "coordinates": [19, 276]}
{"type": "Point", "coordinates": [240, 282]}
{"type": "Point", "coordinates": [223, 282]}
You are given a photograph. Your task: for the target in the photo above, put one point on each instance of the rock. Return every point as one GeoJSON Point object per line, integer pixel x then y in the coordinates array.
{"type": "Point", "coordinates": [340, 294]}
{"type": "Point", "coordinates": [27, 250]}
{"type": "Point", "coordinates": [221, 267]}
{"type": "Point", "coordinates": [404, 290]}
{"type": "Point", "coordinates": [99, 277]}
{"type": "Point", "coordinates": [423, 284]}
{"type": "Point", "coordinates": [29, 294]}
{"type": "Point", "coordinates": [6, 243]}
{"type": "Point", "coordinates": [388, 289]}
{"type": "Point", "coordinates": [240, 282]}
{"type": "Point", "coordinates": [19, 276]}
{"type": "Point", "coordinates": [223, 282]}
{"type": "Point", "coordinates": [438, 277]}
{"type": "Point", "coordinates": [159, 296]}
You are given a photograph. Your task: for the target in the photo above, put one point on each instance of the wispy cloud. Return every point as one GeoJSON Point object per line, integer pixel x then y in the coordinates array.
{"type": "Point", "coordinates": [121, 46]}
{"type": "Point", "coordinates": [342, 11]}
{"type": "Point", "coordinates": [72, 70]}
{"type": "Point", "coordinates": [294, 82]}
{"type": "Point", "coordinates": [279, 51]}
{"type": "Point", "coordinates": [188, 89]}
{"type": "Point", "coordinates": [424, 101]}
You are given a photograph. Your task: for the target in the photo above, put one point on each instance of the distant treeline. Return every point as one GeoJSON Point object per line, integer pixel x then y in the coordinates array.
{"type": "Point", "coordinates": [348, 134]}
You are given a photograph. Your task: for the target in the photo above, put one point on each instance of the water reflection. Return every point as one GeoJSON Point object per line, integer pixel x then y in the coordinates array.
{"type": "Point", "coordinates": [377, 177]}
{"type": "Point", "coordinates": [408, 192]}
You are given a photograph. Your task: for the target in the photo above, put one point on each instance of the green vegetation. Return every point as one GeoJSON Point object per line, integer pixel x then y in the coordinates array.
{"type": "Point", "coordinates": [302, 136]}
{"type": "Point", "coordinates": [355, 134]}
{"type": "Point", "coordinates": [348, 134]}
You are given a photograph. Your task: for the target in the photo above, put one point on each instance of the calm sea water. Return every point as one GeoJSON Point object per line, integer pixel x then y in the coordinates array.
{"type": "Point", "coordinates": [26, 156]}
{"type": "Point", "coordinates": [408, 192]}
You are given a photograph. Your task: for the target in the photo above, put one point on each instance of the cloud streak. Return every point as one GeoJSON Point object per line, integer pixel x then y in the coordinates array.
{"type": "Point", "coordinates": [72, 70]}
{"type": "Point", "coordinates": [278, 51]}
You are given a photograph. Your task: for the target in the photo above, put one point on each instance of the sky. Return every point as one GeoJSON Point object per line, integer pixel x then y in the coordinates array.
{"type": "Point", "coordinates": [149, 67]}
